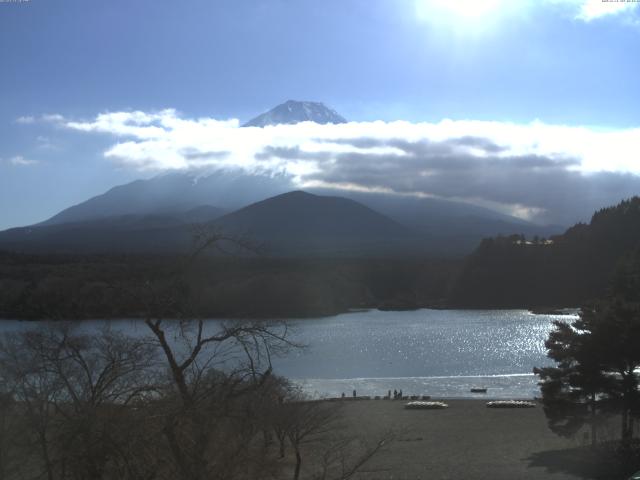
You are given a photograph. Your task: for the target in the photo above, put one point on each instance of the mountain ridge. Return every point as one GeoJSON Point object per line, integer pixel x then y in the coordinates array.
{"type": "Point", "coordinates": [446, 228]}
{"type": "Point", "coordinates": [290, 224]}
{"type": "Point", "coordinates": [299, 221]}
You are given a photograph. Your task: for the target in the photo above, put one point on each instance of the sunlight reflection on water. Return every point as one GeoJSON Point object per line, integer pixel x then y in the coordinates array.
{"type": "Point", "coordinates": [427, 351]}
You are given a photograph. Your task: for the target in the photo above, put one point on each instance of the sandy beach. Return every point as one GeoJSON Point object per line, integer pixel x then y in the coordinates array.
{"type": "Point", "coordinates": [465, 441]}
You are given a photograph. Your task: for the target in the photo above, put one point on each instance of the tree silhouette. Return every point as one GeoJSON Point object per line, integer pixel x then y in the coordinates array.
{"type": "Point", "coordinates": [597, 357]}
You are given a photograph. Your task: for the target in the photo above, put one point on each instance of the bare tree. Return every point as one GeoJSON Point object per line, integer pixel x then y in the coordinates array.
{"type": "Point", "coordinates": [9, 433]}
{"type": "Point", "coordinates": [316, 429]}
{"type": "Point", "coordinates": [73, 390]}
{"type": "Point", "coordinates": [35, 392]}
{"type": "Point", "coordinates": [344, 457]}
{"type": "Point", "coordinates": [309, 420]}
{"type": "Point", "coordinates": [212, 368]}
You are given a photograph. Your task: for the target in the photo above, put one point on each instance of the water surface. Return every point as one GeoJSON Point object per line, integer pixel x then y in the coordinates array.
{"type": "Point", "coordinates": [436, 352]}
{"type": "Point", "coordinates": [441, 353]}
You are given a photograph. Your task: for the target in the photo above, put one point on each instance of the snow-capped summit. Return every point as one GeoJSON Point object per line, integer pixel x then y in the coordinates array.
{"type": "Point", "coordinates": [293, 111]}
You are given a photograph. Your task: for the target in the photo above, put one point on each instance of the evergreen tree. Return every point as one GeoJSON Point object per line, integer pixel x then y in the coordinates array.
{"type": "Point", "coordinates": [598, 357]}
{"type": "Point", "coordinates": [573, 392]}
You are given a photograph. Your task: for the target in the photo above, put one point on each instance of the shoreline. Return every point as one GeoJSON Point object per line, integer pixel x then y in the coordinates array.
{"type": "Point", "coordinates": [409, 398]}
{"type": "Point", "coordinates": [554, 311]}
{"type": "Point", "coordinates": [498, 386]}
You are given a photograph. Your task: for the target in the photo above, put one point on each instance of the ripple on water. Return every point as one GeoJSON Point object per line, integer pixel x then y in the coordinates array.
{"type": "Point", "coordinates": [424, 344]}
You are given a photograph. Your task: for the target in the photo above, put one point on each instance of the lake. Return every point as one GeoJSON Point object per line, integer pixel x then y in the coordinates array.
{"type": "Point", "coordinates": [442, 353]}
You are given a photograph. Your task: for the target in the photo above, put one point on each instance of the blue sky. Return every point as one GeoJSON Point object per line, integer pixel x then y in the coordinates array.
{"type": "Point", "coordinates": [564, 63]}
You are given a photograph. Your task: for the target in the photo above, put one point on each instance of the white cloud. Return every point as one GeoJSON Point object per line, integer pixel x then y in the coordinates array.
{"type": "Point", "coordinates": [164, 140]}
{"type": "Point", "coordinates": [20, 161]}
{"type": "Point", "coordinates": [26, 120]}
{"type": "Point", "coordinates": [44, 118]}
{"type": "Point", "coordinates": [593, 9]}
{"type": "Point", "coordinates": [45, 143]}
{"type": "Point", "coordinates": [52, 118]}
{"type": "Point", "coordinates": [589, 10]}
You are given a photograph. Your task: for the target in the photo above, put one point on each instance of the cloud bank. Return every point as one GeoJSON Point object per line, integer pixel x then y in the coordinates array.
{"type": "Point", "coordinates": [594, 9]}
{"type": "Point", "coordinates": [546, 173]}
{"type": "Point", "coordinates": [589, 10]}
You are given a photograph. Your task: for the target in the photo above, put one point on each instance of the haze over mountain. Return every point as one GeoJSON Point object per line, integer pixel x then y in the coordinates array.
{"type": "Point", "coordinates": [448, 228]}
{"type": "Point", "coordinates": [292, 112]}
{"type": "Point", "coordinates": [294, 223]}
{"type": "Point", "coordinates": [177, 192]}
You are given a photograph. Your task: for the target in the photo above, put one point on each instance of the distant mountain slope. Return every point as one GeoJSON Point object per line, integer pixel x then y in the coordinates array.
{"type": "Point", "coordinates": [202, 214]}
{"type": "Point", "coordinates": [292, 224]}
{"type": "Point", "coordinates": [299, 222]}
{"type": "Point", "coordinates": [566, 271]}
{"type": "Point", "coordinates": [292, 112]}
{"type": "Point", "coordinates": [174, 193]}
{"type": "Point", "coordinates": [100, 236]}
{"type": "Point", "coordinates": [115, 234]}
{"type": "Point", "coordinates": [449, 228]}
{"type": "Point", "coordinates": [445, 228]}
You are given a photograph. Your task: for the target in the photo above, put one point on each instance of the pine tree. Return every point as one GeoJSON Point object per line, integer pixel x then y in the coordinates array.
{"type": "Point", "coordinates": [573, 392]}
{"type": "Point", "coordinates": [597, 357]}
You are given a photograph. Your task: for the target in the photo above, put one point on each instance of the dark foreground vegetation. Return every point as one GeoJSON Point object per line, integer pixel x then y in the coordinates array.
{"type": "Point", "coordinates": [181, 401]}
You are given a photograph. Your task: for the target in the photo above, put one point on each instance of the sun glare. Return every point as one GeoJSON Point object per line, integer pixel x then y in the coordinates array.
{"type": "Point", "coordinates": [457, 11]}
{"type": "Point", "coordinates": [469, 8]}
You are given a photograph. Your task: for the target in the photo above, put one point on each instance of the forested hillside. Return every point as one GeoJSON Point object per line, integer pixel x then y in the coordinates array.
{"type": "Point", "coordinates": [564, 270]}
{"type": "Point", "coordinates": [76, 286]}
